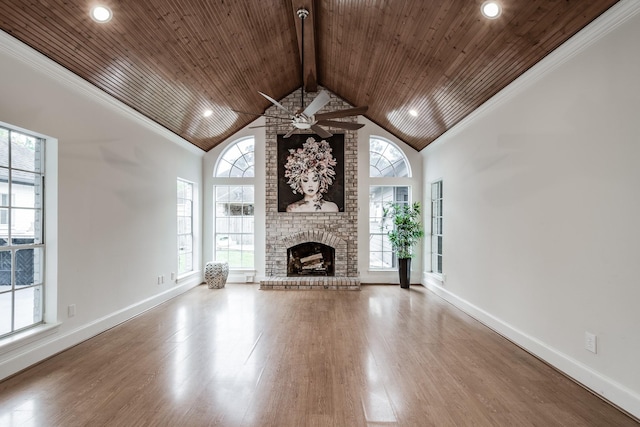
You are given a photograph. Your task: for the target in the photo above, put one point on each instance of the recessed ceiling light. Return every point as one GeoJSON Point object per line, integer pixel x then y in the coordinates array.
{"type": "Point", "coordinates": [414, 113]}
{"type": "Point", "coordinates": [207, 113]}
{"type": "Point", "coordinates": [491, 9]}
{"type": "Point", "coordinates": [101, 14]}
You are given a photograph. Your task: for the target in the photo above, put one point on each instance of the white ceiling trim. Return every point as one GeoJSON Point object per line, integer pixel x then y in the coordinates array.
{"type": "Point", "coordinates": [39, 62]}
{"type": "Point", "coordinates": [600, 27]}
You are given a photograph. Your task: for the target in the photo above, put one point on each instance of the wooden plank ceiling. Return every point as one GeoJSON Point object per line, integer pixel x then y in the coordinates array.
{"type": "Point", "coordinates": [172, 59]}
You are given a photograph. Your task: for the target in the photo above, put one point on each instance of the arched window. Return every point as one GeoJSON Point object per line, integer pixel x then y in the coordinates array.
{"type": "Point", "coordinates": [234, 205]}
{"type": "Point", "coordinates": [386, 159]}
{"type": "Point", "coordinates": [237, 160]}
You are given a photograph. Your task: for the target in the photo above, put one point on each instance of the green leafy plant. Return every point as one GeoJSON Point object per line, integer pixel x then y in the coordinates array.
{"type": "Point", "coordinates": [402, 224]}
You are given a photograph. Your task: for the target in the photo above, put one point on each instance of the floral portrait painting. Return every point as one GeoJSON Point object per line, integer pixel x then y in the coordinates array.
{"type": "Point", "coordinates": [311, 173]}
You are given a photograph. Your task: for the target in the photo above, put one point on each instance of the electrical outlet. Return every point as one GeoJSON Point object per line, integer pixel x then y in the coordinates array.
{"type": "Point", "coordinates": [71, 310]}
{"type": "Point", "coordinates": [590, 342]}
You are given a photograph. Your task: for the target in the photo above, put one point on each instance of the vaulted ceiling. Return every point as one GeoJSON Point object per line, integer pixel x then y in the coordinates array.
{"type": "Point", "coordinates": [173, 59]}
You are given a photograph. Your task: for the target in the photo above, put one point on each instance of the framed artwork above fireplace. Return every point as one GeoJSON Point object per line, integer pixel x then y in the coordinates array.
{"type": "Point", "coordinates": [310, 173]}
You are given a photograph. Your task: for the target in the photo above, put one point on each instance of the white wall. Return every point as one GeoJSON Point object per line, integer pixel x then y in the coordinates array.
{"type": "Point", "coordinates": [541, 208]}
{"type": "Point", "coordinates": [113, 177]}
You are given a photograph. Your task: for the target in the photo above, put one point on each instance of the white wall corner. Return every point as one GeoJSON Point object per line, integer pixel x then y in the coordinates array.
{"type": "Point", "coordinates": [608, 389]}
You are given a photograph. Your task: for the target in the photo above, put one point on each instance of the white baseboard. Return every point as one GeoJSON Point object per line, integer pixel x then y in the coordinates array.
{"type": "Point", "coordinates": [619, 395]}
{"type": "Point", "coordinates": [243, 277]}
{"type": "Point", "coordinates": [32, 353]}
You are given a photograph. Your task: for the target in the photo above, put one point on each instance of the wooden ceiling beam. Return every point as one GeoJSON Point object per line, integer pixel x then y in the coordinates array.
{"type": "Point", "coordinates": [310, 73]}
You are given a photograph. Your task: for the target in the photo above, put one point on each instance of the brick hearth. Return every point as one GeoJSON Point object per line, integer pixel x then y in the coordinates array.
{"type": "Point", "coordinates": [311, 283]}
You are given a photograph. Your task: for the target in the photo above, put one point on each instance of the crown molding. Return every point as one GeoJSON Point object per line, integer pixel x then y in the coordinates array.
{"type": "Point", "coordinates": [606, 23]}
{"type": "Point", "coordinates": [34, 59]}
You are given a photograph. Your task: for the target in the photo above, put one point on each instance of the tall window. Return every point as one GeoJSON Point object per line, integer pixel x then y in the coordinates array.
{"type": "Point", "coordinates": [234, 206]}
{"type": "Point", "coordinates": [436, 227]}
{"type": "Point", "coordinates": [21, 231]}
{"type": "Point", "coordinates": [381, 255]}
{"type": "Point", "coordinates": [234, 225]}
{"type": "Point", "coordinates": [386, 160]}
{"type": "Point", "coordinates": [185, 226]}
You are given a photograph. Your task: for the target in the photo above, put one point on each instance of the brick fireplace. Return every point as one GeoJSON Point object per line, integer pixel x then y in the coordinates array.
{"type": "Point", "coordinates": [285, 230]}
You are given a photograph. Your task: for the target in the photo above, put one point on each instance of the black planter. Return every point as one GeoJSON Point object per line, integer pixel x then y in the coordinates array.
{"type": "Point", "coordinates": [404, 269]}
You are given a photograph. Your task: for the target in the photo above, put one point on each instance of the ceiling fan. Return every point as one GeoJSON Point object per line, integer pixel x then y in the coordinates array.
{"type": "Point", "coordinates": [306, 118]}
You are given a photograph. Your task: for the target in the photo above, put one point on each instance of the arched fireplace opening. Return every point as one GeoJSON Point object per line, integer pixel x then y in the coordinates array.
{"type": "Point", "coordinates": [310, 259]}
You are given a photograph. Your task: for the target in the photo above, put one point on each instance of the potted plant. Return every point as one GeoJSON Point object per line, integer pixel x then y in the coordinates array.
{"type": "Point", "coordinates": [403, 227]}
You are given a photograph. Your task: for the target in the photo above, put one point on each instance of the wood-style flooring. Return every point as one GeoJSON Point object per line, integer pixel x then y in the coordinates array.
{"type": "Point", "coordinates": [239, 356]}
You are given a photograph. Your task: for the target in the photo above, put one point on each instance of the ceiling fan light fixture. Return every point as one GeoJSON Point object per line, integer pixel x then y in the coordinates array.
{"type": "Point", "coordinates": [309, 118]}
{"type": "Point", "coordinates": [101, 14]}
{"type": "Point", "coordinates": [302, 13]}
{"type": "Point", "coordinates": [491, 9]}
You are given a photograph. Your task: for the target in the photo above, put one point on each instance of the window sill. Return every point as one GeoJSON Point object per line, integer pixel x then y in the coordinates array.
{"type": "Point", "coordinates": [249, 274]}
{"type": "Point", "coordinates": [12, 342]}
{"type": "Point", "coordinates": [187, 276]}
{"type": "Point", "coordinates": [435, 278]}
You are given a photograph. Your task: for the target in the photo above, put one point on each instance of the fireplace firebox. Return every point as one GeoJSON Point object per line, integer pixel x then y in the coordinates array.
{"type": "Point", "coordinates": [310, 259]}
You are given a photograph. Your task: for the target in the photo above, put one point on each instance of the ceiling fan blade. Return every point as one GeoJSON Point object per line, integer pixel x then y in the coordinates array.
{"type": "Point", "coordinates": [320, 101]}
{"type": "Point", "coordinates": [288, 134]}
{"type": "Point", "coordinates": [258, 114]}
{"type": "Point", "coordinates": [276, 103]}
{"type": "Point", "coordinates": [320, 131]}
{"type": "Point", "coordinates": [340, 125]}
{"type": "Point", "coordinates": [356, 111]}
{"type": "Point", "coordinates": [256, 127]}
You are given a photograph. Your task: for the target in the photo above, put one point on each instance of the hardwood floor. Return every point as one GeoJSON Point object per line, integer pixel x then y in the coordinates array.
{"type": "Point", "coordinates": [238, 356]}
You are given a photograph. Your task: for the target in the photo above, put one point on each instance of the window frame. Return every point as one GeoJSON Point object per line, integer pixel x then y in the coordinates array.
{"type": "Point", "coordinates": [246, 180]}
{"type": "Point", "coordinates": [247, 212]}
{"type": "Point", "coordinates": [180, 235]}
{"type": "Point", "coordinates": [393, 165]}
{"type": "Point", "coordinates": [13, 205]}
{"type": "Point", "coordinates": [436, 226]}
{"type": "Point", "coordinates": [400, 179]}
{"type": "Point", "coordinates": [377, 219]}
{"type": "Point", "coordinates": [247, 156]}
